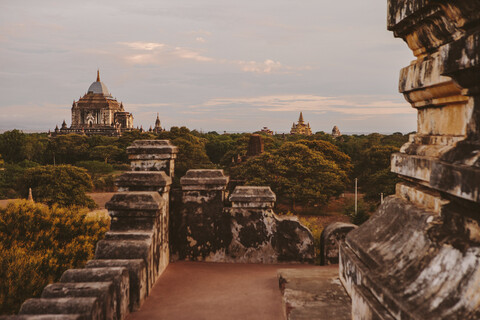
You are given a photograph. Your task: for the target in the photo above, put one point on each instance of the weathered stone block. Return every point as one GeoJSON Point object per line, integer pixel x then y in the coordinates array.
{"type": "Point", "coordinates": [253, 197]}
{"type": "Point", "coordinates": [143, 181]}
{"type": "Point", "coordinates": [152, 155]}
{"type": "Point", "coordinates": [104, 291]}
{"type": "Point", "coordinates": [330, 239]}
{"type": "Point", "coordinates": [136, 204]}
{"type": "Point", "coordinates": [118, 275]}
{"type": "Point", "coordinates": [45, 317]}
{"type": "Point", "coordinates": [204, 179]}
{"type": "Point", "coordinates": [260, 236]}
{"type": "Point", "coordinates": [87, 307]}
{"type": "Point", "coordinates": [137, 273]}
{"type": "Point", "coordinates": [131, 249]}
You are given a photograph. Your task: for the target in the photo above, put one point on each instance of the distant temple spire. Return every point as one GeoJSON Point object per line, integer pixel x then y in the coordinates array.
{"type": "Point", "coordinates": [301, 127]}
{"type": "Point", "coordinates": [98, 75]}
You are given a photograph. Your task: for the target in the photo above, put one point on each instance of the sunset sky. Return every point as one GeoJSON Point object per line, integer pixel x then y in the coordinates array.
{"type": "Point", "coordinates": [222, 65]}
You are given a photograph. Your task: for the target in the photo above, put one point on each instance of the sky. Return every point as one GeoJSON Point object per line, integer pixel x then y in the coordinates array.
{"type": "Point", "coordinates": [210, 65]}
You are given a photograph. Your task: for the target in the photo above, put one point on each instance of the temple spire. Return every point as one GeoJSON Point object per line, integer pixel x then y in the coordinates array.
{"type": "Point", "coordinates": [98, 75]}
{"type": "Point", "coordinates": [300, 119]}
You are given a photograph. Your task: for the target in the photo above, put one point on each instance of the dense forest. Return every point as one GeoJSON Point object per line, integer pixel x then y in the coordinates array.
{"type": "Point", "coordinates": [306, 170]}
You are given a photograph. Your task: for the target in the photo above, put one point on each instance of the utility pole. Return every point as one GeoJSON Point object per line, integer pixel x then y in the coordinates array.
{"type": "Point", "coordinates": [356, 196]}
{"type": "Point", "coordinates": [381, 198]}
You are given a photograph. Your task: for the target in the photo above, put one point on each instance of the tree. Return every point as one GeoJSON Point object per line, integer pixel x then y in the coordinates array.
{"type": "Point", "coordinates": [64, 185]}
{"type": "Point", "coordinates": [12, 144]}
{"type": "Point", "coordinates": [69, 148]}
{"type": "Point", "coordinates": [38, 244]}
{"type": "Point", "coordinates": [295, 173]}
{"type": "Point", "coordinates": [106, 153]}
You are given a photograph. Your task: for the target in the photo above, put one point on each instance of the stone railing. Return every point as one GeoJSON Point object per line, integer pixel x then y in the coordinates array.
{"type": "Point", "coordinates": [248, 231]}
{"type": "Point", "coordinates": [133, 253]}
{"type": "Point", "coordinates": [418, 257]}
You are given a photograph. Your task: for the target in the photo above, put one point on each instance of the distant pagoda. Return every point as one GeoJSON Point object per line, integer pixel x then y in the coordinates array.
{"type": "Point", "coordinates": [301, 127]}
{"type": "Point", "coordinates": [98, 113]}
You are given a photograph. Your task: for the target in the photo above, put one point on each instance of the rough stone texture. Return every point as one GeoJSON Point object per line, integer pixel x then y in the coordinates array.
{"type": "Point", "coordinates": [46, 317]}
{"type": "Point", "coordinates": [202, 228]}
{"type": "Point", "coordinates": [260, 236]}
{"type": "Point", "coordinates": [255, 145]}
{"type": "Point", "coordinates": [137, 276]}
{"type": "Point", "coordinates": [249, 232]}
{"type": "Point", "coordinates": [104, 291]}
{"type": "Point", "coordinates": [313, 294]}
{"type": "Point", "coordinates": [139, 221]}
{"type": "Point", "coordinates": [117, 275]}
{"type": "Point", "coordinates": [143, 181]}
{"type": "Point", "coordinates": [253, 197]}
{"type": "Point", "coordinates": [204, 179]}
{"type": "Point", "coordinates": [87, 307]}
{"type": "Point", "coordinates": [152, 155]}
{"type": "Point", "coordinates": [419, 256]}
{"type": "Point", "coordinates": [331, 237]}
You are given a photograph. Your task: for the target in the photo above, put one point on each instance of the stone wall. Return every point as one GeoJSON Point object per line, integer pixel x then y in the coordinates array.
{"type": "Point", "coordinates": [249, 231]}
{"type": "Point", "coordinates": [418, 257]}
{"type": "Point", "coordinates": [133, 254]}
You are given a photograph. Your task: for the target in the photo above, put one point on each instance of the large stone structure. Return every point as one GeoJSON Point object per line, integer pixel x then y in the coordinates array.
{"type": "Point", "coordinates": [300, 127]}
{"type": "Point", "coordinates": [97, 112]}
{"type": "Point", "coordinates": [418, 257]}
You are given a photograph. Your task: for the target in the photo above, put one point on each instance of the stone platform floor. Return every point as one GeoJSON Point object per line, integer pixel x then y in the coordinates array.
{"type": "Point", "coordinates": [199, 290]}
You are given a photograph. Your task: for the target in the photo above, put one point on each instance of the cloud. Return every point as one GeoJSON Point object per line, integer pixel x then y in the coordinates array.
{"type": "Point", "coordinates": [268, 66]}
{"type": "Point", "coordinates": [351, 105]}
{"type": "Point", "coordinates": [148, 46]}
{"type": "Point", "coordinates": [160, 53]}
{"type": "Point", "coordinates": [200, 39]}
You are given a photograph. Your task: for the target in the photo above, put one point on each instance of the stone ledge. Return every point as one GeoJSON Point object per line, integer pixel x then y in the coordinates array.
{"type": "Point", "coordinates": [143, 179]}
{"type": "Point", "coordinates": [204, 179]}
{"type": "Point", "coordinates": [137, 274]}
{"type": "Point", "coordinates": [118, 275]}
{"type": "Point", "coordinates": [313, 293]}
{"type": "Point", "coordinates": [150, 203]}
{"type": "Point", "coordinates": [151, 148]}
{"type": "Point", "coordinates": [253, 197]}
{"type": "Point", "coordinates": [104, 291]}
{"type": "Point", "coordinates": [87, 307]}
{"type": "Point", "coordinates": [45, 317]}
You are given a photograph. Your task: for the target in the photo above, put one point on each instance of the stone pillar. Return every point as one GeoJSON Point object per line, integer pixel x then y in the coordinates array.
{"type": "Point", "coordinates": [418, 257]}
{"type": "Point", "coordinates": [259, 235]}
{"type": "Point", "coordinates": [203, 231]}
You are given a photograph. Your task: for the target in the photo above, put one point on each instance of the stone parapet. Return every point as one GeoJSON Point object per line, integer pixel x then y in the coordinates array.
{"type": "Point", "coordinates": [248, 232]}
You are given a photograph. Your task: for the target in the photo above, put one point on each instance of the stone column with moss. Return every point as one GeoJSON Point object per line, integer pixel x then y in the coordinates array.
{"type": "Point", "coordinates": [418, 257]}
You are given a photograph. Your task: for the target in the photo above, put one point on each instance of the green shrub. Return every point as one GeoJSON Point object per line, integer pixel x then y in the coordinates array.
{"type": "Point", "coordinates": [362, 212]}
{"type": "Point", "coordinates": [38, 244]}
